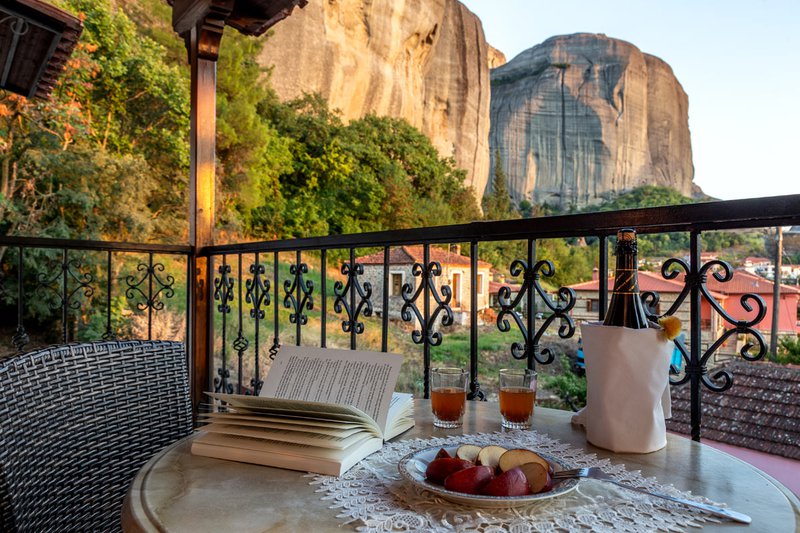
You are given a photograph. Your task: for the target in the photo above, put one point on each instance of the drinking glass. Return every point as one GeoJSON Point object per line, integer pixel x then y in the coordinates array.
{"type": "Point", "coordinates": [517, 395]}
{"type": "Point", "coordinates": [448, 396]}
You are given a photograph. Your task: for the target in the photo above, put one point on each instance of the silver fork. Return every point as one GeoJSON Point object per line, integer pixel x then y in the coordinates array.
{"type": "Point", "coordinates": [596, 473]}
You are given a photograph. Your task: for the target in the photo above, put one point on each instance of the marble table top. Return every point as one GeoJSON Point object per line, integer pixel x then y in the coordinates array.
{"type": "Point", "coordinates": [176, 491]}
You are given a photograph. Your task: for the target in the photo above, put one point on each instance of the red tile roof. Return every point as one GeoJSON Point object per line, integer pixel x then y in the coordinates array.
{"type": "Point", "coordinates": [648, 281]}
{"type": "Point", "coordinates": [744, 282]}
{"type": "Point", "coordinates": [761, 411]}
{"type": "Point", "coordinates": [408, 255]}
{"type": "Point", "coordinates": [494, 286]}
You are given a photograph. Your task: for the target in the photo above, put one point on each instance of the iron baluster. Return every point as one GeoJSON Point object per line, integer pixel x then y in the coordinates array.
{"type": "Point", "coordinates": [223, 292]}
{"type": "Point", "coordinates": [531, 308]}
{"type": "Point", "coordinates": [20, 338]}
{"type": "Point", "coordinates": [276, 342]}
{"type": "Point", "coordinates": [602, 267]}
{"type": "Point", "coordinates": [346, 298]}
{"type": "Point", "coordinates": [62, 297]}
{"type": "Point", "coordinates": [475, 392]}
{"type": "Point", "coordinates": [298, 295]}
{"type": "Point", "coordinates": [385, 302]}
{"type": "Point", "coordinates": [427, 334]}
{"type": "Point", "coordinates": [323, 297]}
{"type": "Point", "coordinates": [152, 301]}
{"type": "Point", "coordinates": [240, 343]}
{"type": "Point", "coordinates": [109, 333]}
{"type": "Point", "coordinates": [559, 310]}
{"type": "Point", "coordinates": [258, 296]}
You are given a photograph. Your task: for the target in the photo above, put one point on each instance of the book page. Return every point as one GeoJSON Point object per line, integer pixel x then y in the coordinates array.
{"type": "Point", "coordinates": [364, 380]}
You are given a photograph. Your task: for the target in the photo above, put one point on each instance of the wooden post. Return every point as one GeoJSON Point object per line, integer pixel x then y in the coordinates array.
{"type": "Point", "coordinates": [202, 42]}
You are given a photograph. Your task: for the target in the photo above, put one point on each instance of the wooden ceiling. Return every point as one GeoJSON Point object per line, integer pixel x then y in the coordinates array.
{"type": "Point", "coordinates": [251, 17]}
{"type": "Point", "coordinates": [36, 39]}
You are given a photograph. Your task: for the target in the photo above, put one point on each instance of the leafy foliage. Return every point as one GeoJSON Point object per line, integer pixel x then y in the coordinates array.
{"type": "Point", "coordinates": [788, 351]}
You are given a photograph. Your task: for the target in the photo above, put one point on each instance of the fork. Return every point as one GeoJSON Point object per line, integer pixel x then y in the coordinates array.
{"type": "Point", "coordinates": [596, 473]}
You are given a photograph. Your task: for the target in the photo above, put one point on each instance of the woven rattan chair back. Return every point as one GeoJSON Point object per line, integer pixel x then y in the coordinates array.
{"type": "Point", "coordinates": [76, 424]}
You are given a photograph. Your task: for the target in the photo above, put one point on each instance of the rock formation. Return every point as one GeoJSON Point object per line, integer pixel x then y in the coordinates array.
{"type": "Point", "coordinates": [422, 60]}
{"type": "Point", "coordinates": [581, 116]}
{"type": "Point", "coordinates": [496, 57]}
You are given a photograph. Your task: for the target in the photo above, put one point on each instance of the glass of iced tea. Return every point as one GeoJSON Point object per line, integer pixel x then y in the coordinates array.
{"type": "Point", "coordinates": [448, 396]}
{"type": "Point", "coordinates": [517, 395]}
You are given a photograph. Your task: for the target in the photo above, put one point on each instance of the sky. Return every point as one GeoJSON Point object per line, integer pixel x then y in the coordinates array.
{"type": "Point", "coordinates": [737, 60]}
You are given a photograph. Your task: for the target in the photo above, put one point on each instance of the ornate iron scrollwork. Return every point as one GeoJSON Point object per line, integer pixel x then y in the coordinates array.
{"type": "Point", "coordinates": [65, 298]}
{"type": "Point", "coordinates": [257, 291]}
{"type": "Point", "coordinates": [410, 311]}
{"type": "Point", "coordinates": [651, 299]}
{"type": "Point", "coordinates": [343, 293]}
{"type": "Point", "coordinates": [223, 288]}
{"type": "Point", "coordinates": [306, 300]}
{"type": "Point", "coordinates": [221, 383]}
{"type": "Point", "coordinates": [559, 310]}
{"type": "Point", "coordinates": [150, 274]}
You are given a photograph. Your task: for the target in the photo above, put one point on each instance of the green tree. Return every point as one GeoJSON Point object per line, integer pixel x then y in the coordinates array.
{"type": "Point", "coordinates": [497, 204]}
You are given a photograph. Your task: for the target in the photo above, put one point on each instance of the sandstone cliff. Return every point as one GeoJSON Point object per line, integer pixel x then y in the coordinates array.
{"type": "Point", "coordinates": [582, 115]}
{"type": "Point", "coordinates": [422, 60]}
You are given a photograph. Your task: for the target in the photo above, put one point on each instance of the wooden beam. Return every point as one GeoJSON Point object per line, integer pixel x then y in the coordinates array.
{"type": "Point", "coordinates": [202, 43]}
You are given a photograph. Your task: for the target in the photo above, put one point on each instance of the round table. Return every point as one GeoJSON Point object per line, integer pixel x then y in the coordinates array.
{"type": "Point", "coordinates": [177, 491]}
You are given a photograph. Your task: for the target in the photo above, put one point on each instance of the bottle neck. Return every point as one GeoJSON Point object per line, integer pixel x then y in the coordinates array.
{"type": "Point", "coordinates": [625, 279]}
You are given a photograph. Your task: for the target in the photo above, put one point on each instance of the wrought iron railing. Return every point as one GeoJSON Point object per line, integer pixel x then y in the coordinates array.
{"type": "Point", "coordinates": [427, 303]}
{"type": "Point", "coordinates": [69, 290]}
{"type": "Point", "coordinates": [266, 290]}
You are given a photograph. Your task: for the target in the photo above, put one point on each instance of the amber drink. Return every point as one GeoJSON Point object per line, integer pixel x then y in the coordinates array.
{"type": "Point", "coordinates": [517, 396]}
{"type": "Point", "coordinates": [448, 396]}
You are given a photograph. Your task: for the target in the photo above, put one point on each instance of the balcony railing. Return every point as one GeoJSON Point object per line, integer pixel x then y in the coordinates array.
{"type": "Point", "coordinates": [263, 294]}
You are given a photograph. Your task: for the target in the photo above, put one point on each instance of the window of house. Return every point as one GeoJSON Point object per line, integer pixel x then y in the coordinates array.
{"type": "Point", "coordinates": [397, 284]}
{"type": "Point", "coordinates": [593, 305]}
{"type": "Point", "coordinates": [480, 283]}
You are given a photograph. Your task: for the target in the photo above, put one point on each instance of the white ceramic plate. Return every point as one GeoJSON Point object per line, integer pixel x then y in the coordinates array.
{"type": "Point", "coordinates": [412, 467]}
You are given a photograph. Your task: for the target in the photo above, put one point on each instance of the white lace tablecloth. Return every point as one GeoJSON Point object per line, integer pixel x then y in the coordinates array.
{"type": "Point", "coordinates": [372, 496]}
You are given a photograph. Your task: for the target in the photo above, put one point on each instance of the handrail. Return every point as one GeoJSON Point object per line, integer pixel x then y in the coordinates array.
{"type": "Point", "coordinates": [730, 214]}
{"type": "Point", "coordinates": [103, 246]}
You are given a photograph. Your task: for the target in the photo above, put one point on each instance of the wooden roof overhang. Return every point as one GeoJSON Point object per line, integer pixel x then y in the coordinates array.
{"type": "Point", "coordinates": [36, 40]}
{"type": "Point", "coordinates": [250, 17]}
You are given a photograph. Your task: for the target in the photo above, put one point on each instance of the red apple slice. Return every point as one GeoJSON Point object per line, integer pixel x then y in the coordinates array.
{"type": "Point", "coordinates": [517, 457]}
{"type": "Point", "coordinates": [469, 480]}
{"type": "Point", "coordinates": [511, 483]}
{"type": "Point", "coordinates": [537, 476]}
{"type": "Point", "coordinates": [468, 452]}
{"type": "Point", "coordinates": [490, 455]}
{"type": "Point", "coordinates": [439, 469]}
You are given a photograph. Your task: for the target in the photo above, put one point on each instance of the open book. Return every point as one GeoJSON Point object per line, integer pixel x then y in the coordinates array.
{"type": "Point", "coordinates": [320, 410]}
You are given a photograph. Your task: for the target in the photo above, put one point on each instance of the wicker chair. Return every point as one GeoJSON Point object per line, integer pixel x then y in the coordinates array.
{"type": "Point", "coordinates": [77, 422]}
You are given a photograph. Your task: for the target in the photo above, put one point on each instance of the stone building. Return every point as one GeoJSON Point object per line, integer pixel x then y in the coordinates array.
{"type": "Point", "coordinates": [455, 274]}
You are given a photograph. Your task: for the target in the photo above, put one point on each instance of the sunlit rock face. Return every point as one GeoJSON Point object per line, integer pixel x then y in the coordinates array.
{"type": "Point", "coordinates": [423, 60]}
{"type": "Point", "coordinates": [581, 116]}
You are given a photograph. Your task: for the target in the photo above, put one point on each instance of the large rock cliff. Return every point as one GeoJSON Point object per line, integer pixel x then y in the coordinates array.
{"type": "Point", "coordinates": [422, 60]}
{"type": "Point", "coordinates": [580, 116]}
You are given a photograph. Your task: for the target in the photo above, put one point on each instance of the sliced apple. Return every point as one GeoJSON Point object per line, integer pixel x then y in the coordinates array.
{"type": "Point", "coordinates": [537, 476]}
{"type": "Point", "coordinates": [511, 483]}
{"type": "Point", "coordinates": [439, 469]}
{"type": "Point", "coordinates": [517, 457]}
{"type": "Point", "coordinates": [490, 455]}
{"type": "Point", "coordinates": [442, 453]}
{"type": "Point", "coordinates": [468, 452]}
{"type": "Point", "coordinates": [470, 480]}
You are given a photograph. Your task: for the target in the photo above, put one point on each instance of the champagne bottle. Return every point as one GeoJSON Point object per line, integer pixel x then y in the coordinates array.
{"type": "Point", "coordinates": [626, 307]}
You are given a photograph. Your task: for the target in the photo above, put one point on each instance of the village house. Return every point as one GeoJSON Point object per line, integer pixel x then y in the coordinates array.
{"type": "Point", "coordinates": [455, 274]}
{"type": "Point", "coordinates": [728, 294]}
